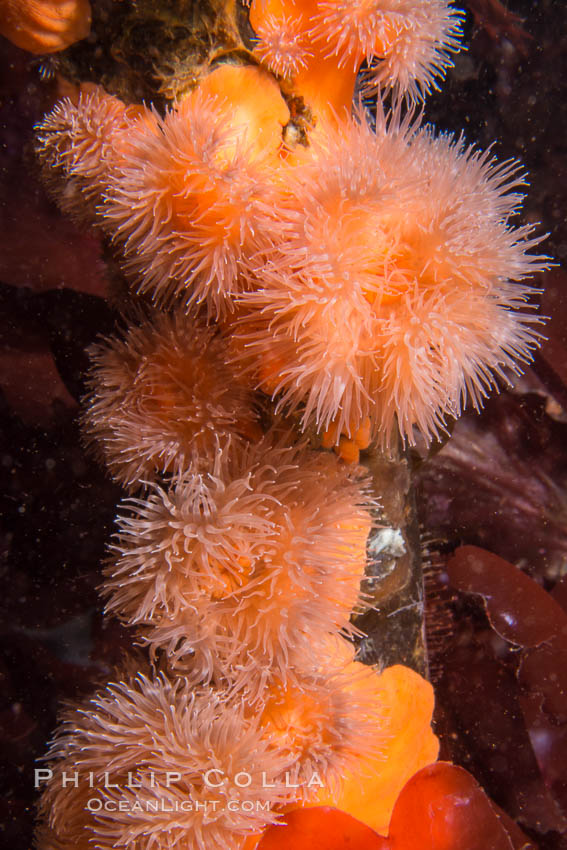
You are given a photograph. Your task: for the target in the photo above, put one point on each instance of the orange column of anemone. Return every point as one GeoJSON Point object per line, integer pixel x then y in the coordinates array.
{"type": "Point", "coordinates": [370, 790]}
{"type": "Point", "coordinates": [256, 110]}
{"type": "Point", "coordinates": [326, 88]}
{"type": "Point", "coordinates": [318, 46]}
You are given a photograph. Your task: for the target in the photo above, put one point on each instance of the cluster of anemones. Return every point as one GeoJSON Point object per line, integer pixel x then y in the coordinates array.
{"type": "Point", "coordinates": [238, 561]}
{"type": "Point", "coordinates": [241, 547]}
{"type": "Point", "coordinates": [368, 279]}
{"type": "Point", "coordinates": [152, 761]}
{"type": "Point", "coordinates": [319, 46]}
{"type": "Point", "coordinates": [372, 275]}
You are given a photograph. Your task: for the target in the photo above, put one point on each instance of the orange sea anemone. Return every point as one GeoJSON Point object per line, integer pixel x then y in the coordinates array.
{"type": "Point", "coordinates": [44, 26]}
{"type": "Point", "coordinates": [162, 397]}
{"type": "Point", "coordinates": [79, 143]}
{"type": "Point", "coordinates": [394, 294]}
{"type": "Point", "coordinates": [330, 721]}
{"type": "Point", "coordinates": [230, 571]}
{"type": "Point", "coordinates": [407, 46]}
{"type": "Point", "coordinates": [370, 785]}
{"type": "Point", "coordinates": [282, 44]}
{"type": "Point", "coordinates": [321, 45]}
{"type": "Point", "coordinates": [130, 766]}
{"type": "Point", "coordinates": [180, 194]}
{"type": "Point", "coordinates": [185, 204]}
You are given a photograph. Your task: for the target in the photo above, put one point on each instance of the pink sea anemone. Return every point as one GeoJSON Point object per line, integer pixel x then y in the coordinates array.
{"type": "Point", "coordinates": [396, 294]}
{"type": "Point", "coordinates": [180, 195]}
{"type": "Point", "coordinates": [327, 720]}
{"type": "Point", "coordinates": [78, 145]}
{"type": "Point", "coordinates": [321, 45]}
{"type": "Point", "coordinates": [227, 572]}
{"type": "Point", "coordinates": [142, 753]}
{"type": "Point", "coordinates": [184, 206]}
{"type": "Point", "coordinates": [162, 398]}
{"type": "Point", "coordinates": [282, 44]}
{"type": "Point", "coordinates": [407, 45]}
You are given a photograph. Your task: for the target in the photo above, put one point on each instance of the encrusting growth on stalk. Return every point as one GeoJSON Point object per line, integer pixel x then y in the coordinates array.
{"type": "Point", "coordinates": [328, 717]}
{"type": "Point", "coordinates": [405, 743]}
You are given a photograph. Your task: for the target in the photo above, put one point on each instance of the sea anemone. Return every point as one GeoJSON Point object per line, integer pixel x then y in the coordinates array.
{"type": "Point", "coordinates": [45, 26]}
{"type": "Point", "coordinates": [321, 45]}
{"type": "Point", "coordinates": [395, 294]}
{"type": "Point", "coordinates": [330, 720]}
{"type": "Point", "coordinates": [184, 205]}
{"type": "Point", "coordinates": [406, 744]}
{"type": "Point", "coordinates": [179, 194]}
{"type": "Point", "coordinates": [282, 44]}
{"type": "Point", "coordinates": [149, 757]}
{"type": "Point", "coordinates": [286, 44]}
{"type": "Point", "coordinates": [78, 145]}
{"type": "Point", "coordinates": [257, 112]}
{"type": "Point", "coordinates": [162, 398]}
{"type": "Point", "coordinates": [407, 45]}
{"type": "Point", "coordinates": [231, 570]}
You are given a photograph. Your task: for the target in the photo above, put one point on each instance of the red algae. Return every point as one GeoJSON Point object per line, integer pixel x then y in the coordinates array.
{"type": "Point", "coordinates": [519, 610]}
{"type": "Point", "coordinates": [322, 828]}
{"type": "Point", "coordinates": [527, 677]}
{"type": "Point", "coordinates": [441, 808]}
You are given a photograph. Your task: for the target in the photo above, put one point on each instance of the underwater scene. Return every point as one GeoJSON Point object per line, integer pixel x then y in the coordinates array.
{"type": "Point", "coordinates": [283, 386]}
